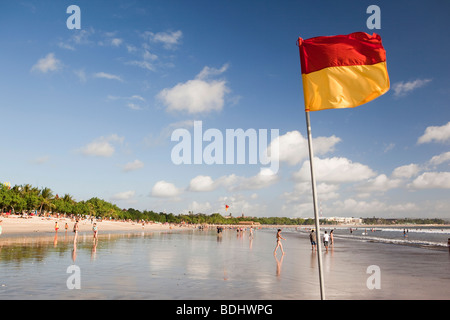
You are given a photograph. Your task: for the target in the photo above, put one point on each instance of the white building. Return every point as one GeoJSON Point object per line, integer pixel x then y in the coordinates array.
{"type": "Point", "coordinates": [343, 220]}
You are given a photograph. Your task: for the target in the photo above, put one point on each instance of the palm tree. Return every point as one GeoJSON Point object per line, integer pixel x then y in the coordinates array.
{"type": "Point", "coordinates": [31, 196]}
{"type": "Point", "coordinates": [69, 203]}
{"type": "Point", "coordinates": [45, 196]}
{"type": "Point", "coordinates": [68, 198]}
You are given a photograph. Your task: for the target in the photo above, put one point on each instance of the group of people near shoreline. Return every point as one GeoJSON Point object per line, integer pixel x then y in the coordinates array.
{"type": "Point", "coordinates": [328, 240]}
{"type": "Point", "coordinates": [76, 228]}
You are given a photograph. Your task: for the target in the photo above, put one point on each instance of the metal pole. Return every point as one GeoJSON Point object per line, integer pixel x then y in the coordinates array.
{"type": "Point", "coordinates": [316, 215]}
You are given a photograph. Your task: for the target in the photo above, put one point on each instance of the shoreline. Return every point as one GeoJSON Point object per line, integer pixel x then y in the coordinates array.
{"type": "Point", "coordinates": [16, 225]}
{"type": "Point", "coordinates": [331, 226]}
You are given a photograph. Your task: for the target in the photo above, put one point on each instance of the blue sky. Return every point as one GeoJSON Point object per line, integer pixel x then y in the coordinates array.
{"type": "Point", "coordinates": [90, 112]}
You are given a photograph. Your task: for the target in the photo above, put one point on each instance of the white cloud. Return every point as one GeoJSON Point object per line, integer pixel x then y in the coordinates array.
{"type": "Point", "coordinates": [109, 76]}
{"type": "Point", "coordinates": [380, 183]}
{"type": "Point", "coordinates": [163, 189]}
{"type": "Point", "coordinates": [134, 165]}
{"type": "Point", "coordinates": [352, 207]}
{"type": "Point", "coordinates": [116, 42]}
{"type": "Point", "coordinates": [132, 102]}
{"type": "Point", "coordinates": [149, 56]}
{"type": "Point", "coordinates": [293, 147]}
{"type": "Point", "coordinates": [168, 39]}
{"type": "Point", "coordinates": [239, 204]}
{"type": "Point", "coordinates": [208, 71]}
{"type": "Point", "coordinates": [82, 36]}
{"type": "Point", "coordinates": [402, 88]}
{"type": "Point", "coordinates": [263, 179]}
{"type": "Point", "coordinates": [334, 170]}
{"type": "Point", "coordinates": [126, 195]}
{"type": "Point", "coordinates": [406, 171]}
{"type": "Point", "coordinates": [202, 183]}
{"type": "Point", "coordinates": [134, 106]}
{"type": "Point", "coordinates": [325, 192]}
{"type": "Point", "coordinates": [198, 207]}
{"type": "Point", "coordinates": [199, 95]}
{"type": "Point", "coordinates": [436, 134]}
{"type": "Point", "coordinates": [432, 180]}
{"type": "Point", "coordinates": [195, 96]}
{"type": "Point", "coordinates": [102, 146]}
{"type": "Point", "coordinates": [136, 97]}
{"type": "Point", "coordinates": [131, 48]}
{"type": "Point", "coordinates": [66, 46]}
{"type": "Point", "coordinates": [141, 64]}
{"type": "Point", "coordinates": [46, 64]}
{"type": "Point", "coordinates": [439, 159]}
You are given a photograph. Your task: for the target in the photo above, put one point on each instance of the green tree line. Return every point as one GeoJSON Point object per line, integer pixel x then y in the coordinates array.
{"type": "Point", "coordinates": [26, 198]}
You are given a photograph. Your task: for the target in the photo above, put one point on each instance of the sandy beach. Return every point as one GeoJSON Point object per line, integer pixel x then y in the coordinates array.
{"type": "Point", "coordinates": [14, 225]}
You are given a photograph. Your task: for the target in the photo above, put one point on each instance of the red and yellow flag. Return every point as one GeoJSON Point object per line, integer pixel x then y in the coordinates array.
{"type": "Point", "coordinates": [342, 71]}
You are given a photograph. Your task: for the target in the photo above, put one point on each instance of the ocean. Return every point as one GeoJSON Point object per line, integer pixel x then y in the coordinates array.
{"type": "Point", "coordinates": [425, 237]}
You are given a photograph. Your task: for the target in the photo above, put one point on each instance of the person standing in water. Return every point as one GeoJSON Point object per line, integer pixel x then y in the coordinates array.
{"type": "Point", "coordinates": [326, 239]}
{"type": "Point", "coordinates": [75, 230]}
{"type": "Point", "coordinates": [312, 239]}
{"type": "Point", "coordinates": [95, 230]}
{"type": "Point", "coordinates": [279, 245]}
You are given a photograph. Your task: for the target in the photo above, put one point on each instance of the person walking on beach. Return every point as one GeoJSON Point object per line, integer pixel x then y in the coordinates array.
{"type": "Point", "coordinates": [95, 229]}
{"type": "Point", "coordinates": [279, 245]}
{"type": "Point", "coordinates": [312, 238]}
{"type": "Point", "coordinates": [326, 239]}
{"type": "Point", "coordinates": [56, 226]}
{"type": "Point", "coordinates": [331, 237]}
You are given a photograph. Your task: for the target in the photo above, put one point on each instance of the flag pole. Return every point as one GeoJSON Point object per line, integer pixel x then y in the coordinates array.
{"type": "Point", "coordinates": [316, 215]}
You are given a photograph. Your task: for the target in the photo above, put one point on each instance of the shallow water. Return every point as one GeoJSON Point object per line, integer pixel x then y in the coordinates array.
{"type": "Point", "coordinates": [196, 264]}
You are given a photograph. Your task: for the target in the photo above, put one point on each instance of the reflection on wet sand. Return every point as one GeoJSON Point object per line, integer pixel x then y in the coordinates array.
{"type": "Point", "coordinates": [279, 264]}
{"type": "Point", "coordinates": [74, 251]}
{"type": "Point", "coordinates": [20, 249]}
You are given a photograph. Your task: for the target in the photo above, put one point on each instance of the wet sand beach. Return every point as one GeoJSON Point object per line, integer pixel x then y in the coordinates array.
{"type": "Point", "coordinates": [203, 265]}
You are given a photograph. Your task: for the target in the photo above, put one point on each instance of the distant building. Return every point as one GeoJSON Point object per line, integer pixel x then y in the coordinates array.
{"type": "Point", "coordinates": [343, 220]}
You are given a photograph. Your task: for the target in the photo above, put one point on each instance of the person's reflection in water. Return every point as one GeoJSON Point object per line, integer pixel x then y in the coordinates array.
{"type": "Point", "coordinates": [313, 259]}
{"type": "Point", "coordinates": [94, 250]}
{"type": "Point", "coordinates": [74, 251]}
{"type": "Point", "coordinates": [55, 240]}
{"type": "Point", "coordinates": [279, 263]}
